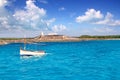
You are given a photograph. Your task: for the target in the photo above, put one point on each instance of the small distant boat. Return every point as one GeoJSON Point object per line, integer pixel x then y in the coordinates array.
{"type": "Point", "coordinates": [31, 53]}
{"type": "Point", "coordinates": [24, 52]}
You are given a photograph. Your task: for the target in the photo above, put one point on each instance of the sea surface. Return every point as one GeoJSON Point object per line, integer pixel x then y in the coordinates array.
{"type": "Point", "coordinates": [84, 60]}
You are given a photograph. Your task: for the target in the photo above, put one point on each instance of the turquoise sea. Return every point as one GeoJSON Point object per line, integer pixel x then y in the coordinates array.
{"type": "Point", "coordinates": [84, 60]}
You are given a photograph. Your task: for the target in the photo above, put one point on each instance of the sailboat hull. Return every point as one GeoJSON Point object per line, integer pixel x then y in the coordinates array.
{"type": "Point", "coordinates": [31, 53]}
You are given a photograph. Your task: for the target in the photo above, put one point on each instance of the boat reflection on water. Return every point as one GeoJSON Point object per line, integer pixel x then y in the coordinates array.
{"type": "Point", "coordinates": [27, 57]}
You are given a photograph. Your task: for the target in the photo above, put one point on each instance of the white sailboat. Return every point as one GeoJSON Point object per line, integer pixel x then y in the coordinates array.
{"type": "Point", "coordinates": [31, 53]}
{"type": "Point", "coordinates": [24, 52]}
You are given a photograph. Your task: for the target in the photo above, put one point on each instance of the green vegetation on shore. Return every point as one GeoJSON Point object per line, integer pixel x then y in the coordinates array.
{"type": "Point", "coordinates": [101, 37]}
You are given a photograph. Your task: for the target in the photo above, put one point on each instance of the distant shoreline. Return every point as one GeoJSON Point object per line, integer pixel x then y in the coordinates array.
{"type": "Point", "coordinates": [46, 38]}
{"type": "Point", "coordinates": [54, 38]}
{"type": "Point", "coordinates": [17, 41]}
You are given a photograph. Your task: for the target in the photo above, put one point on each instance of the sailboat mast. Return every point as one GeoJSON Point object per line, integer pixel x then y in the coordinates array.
{"type": "Point", "coordinates": [24, 42]}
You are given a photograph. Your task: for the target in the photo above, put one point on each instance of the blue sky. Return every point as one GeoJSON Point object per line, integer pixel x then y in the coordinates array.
{"type": "Point", "coordinates": [64, 17]}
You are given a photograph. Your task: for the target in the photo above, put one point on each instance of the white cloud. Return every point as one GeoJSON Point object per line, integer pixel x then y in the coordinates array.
{"type": "Point", "coordinates": [3, 3]}
{"type": "Point", "coordinates": [30, 6]}
{"type": "Point", "coordinates": [89, 15]}
{"type": "Point", "coordinates": [96, 17]}
{"type": "Point", "coordinates": [29, 18]}
{"type": "Point", "coordinates": [61, 9]}
{"type": "Point", "coordinates": [6, 18]}
{"type": "Point", "coordinates": [58, 28]}
{"type": "Point", "coordinates": [32, 17]}
{"type": "Point", "coordinates": [109, 21]}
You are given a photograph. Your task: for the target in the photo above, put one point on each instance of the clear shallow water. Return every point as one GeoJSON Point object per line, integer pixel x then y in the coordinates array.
{"type": "Point", "coordinates": [85, 60]}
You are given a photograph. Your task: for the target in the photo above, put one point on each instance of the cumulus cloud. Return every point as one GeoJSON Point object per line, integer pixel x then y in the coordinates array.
{"type": "Point", "coordinates": [5, 16]}
{"type": "Point", "coordinates": [96, 17]}
{"type": "Point", "coordinates": [32, 17]}
{"type": "Point", "coordinates": [58, 28]}
{"type": "Point", "coordinates": [90, 14]}
{"type": "Point", "coordinates": [61, 9]}
{"type": "Point", "coordinates": [108, 20]}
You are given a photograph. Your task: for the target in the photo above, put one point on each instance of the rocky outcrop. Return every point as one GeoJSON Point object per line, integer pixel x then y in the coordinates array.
{"type": "Point", "coordinates": [55, 38]}
{"type": "Point", "coordinates": [51, 37]}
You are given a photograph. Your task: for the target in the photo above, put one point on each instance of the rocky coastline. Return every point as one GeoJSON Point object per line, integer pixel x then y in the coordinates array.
{"type": "Point", "coordinates": [49, 38]}
{"type": "Point", "coordinates": [46, 38]}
